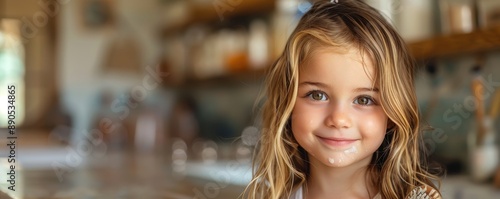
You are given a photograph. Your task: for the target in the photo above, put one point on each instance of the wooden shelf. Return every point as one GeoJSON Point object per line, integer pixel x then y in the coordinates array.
{"type": "Point", "coordinates": [478, 41]}
{"type": "Point", "coordinates": [457, 44]}
{"type": "Point", "coordinates": [220, 12]}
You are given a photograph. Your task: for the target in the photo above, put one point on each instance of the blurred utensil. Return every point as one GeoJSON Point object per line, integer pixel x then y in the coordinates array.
{"type": "Point", "coordinates": [478, 93]}
{"type": "Point", "coordinates": [477, 89]}
{"type": "Point", "coordinates": [495, 105]}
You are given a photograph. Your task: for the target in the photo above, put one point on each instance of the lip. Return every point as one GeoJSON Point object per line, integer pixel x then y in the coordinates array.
{"type": "Point", "coordinates": [337, 142]}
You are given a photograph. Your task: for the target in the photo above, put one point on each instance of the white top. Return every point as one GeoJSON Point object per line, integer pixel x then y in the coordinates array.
{"type": "Point", "coordinates": [299, 194]}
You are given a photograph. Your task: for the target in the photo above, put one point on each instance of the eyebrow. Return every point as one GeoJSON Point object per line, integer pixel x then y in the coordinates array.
{"type": "Point", "coordinates": [356, 90]}
{"type": "Point", "coordinates": [366, 89]}
{"type": "Point", "coordinates": [318, 84]}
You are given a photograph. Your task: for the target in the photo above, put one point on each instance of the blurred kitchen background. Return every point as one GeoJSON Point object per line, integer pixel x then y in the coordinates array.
{"type": "Point", "coordinates": [157, 98]}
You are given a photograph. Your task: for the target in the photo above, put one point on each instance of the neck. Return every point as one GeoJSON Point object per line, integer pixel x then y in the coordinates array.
{"type": "Point", "coordinates": [342, 182]}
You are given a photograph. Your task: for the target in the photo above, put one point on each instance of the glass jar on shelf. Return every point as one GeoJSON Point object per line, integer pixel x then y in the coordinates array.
{"type": "Point", "coordinates": [457, 16]}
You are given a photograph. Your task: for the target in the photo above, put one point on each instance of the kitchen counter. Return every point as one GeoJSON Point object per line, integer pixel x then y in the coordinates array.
{"type": "Point", "coordinates": [118, 175]}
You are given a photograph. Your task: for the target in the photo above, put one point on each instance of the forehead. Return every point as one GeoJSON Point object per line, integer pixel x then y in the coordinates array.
{"type": "Point", "coordinates": [337, 64]}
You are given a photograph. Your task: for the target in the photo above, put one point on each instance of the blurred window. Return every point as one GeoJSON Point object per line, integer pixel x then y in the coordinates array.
{"type": "Point", "coordinates": [11, 69]}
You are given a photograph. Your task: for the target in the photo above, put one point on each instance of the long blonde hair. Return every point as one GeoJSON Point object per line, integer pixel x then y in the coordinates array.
{"type": "Point", "coordinates": [397, 167]}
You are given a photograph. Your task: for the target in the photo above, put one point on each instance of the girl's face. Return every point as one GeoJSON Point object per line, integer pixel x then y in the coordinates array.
{"type": "Point", "coordinates": [337, 117]}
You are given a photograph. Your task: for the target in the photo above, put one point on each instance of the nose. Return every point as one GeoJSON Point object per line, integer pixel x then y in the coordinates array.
{"type": "Point", "coordinates": [338, 117]}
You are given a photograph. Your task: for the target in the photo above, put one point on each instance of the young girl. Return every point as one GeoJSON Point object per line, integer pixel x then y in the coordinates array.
{"type": "Point", "coordinates": [340, 118]}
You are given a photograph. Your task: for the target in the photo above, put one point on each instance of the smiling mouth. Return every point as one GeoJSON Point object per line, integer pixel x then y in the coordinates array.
{"type": "Point", "coordinates": [337, 142]}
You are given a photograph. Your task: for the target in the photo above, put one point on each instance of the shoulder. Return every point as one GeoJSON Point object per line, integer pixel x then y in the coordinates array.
{"type": "Point", "coordinates": [424, 192]}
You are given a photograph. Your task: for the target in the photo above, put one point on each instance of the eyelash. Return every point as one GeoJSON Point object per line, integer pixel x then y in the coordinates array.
{"type": "Point", "coordinates": [309, 94]}
{"type": "Point", "coordinates": [371, 100]}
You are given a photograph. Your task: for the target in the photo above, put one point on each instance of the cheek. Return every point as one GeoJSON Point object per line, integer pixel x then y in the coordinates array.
{"type": "Point", "coordinates": [300, 124]}
{"type": "Point", "coordinates": [374, 125]}
{"type": "Point", "coordinates": [304, 120]}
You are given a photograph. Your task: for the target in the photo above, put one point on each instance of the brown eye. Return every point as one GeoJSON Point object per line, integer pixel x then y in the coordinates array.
{"type": "Point", "coordinates": [364, 100]}
{"type": "Point", "coordinates": [317, 95]}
